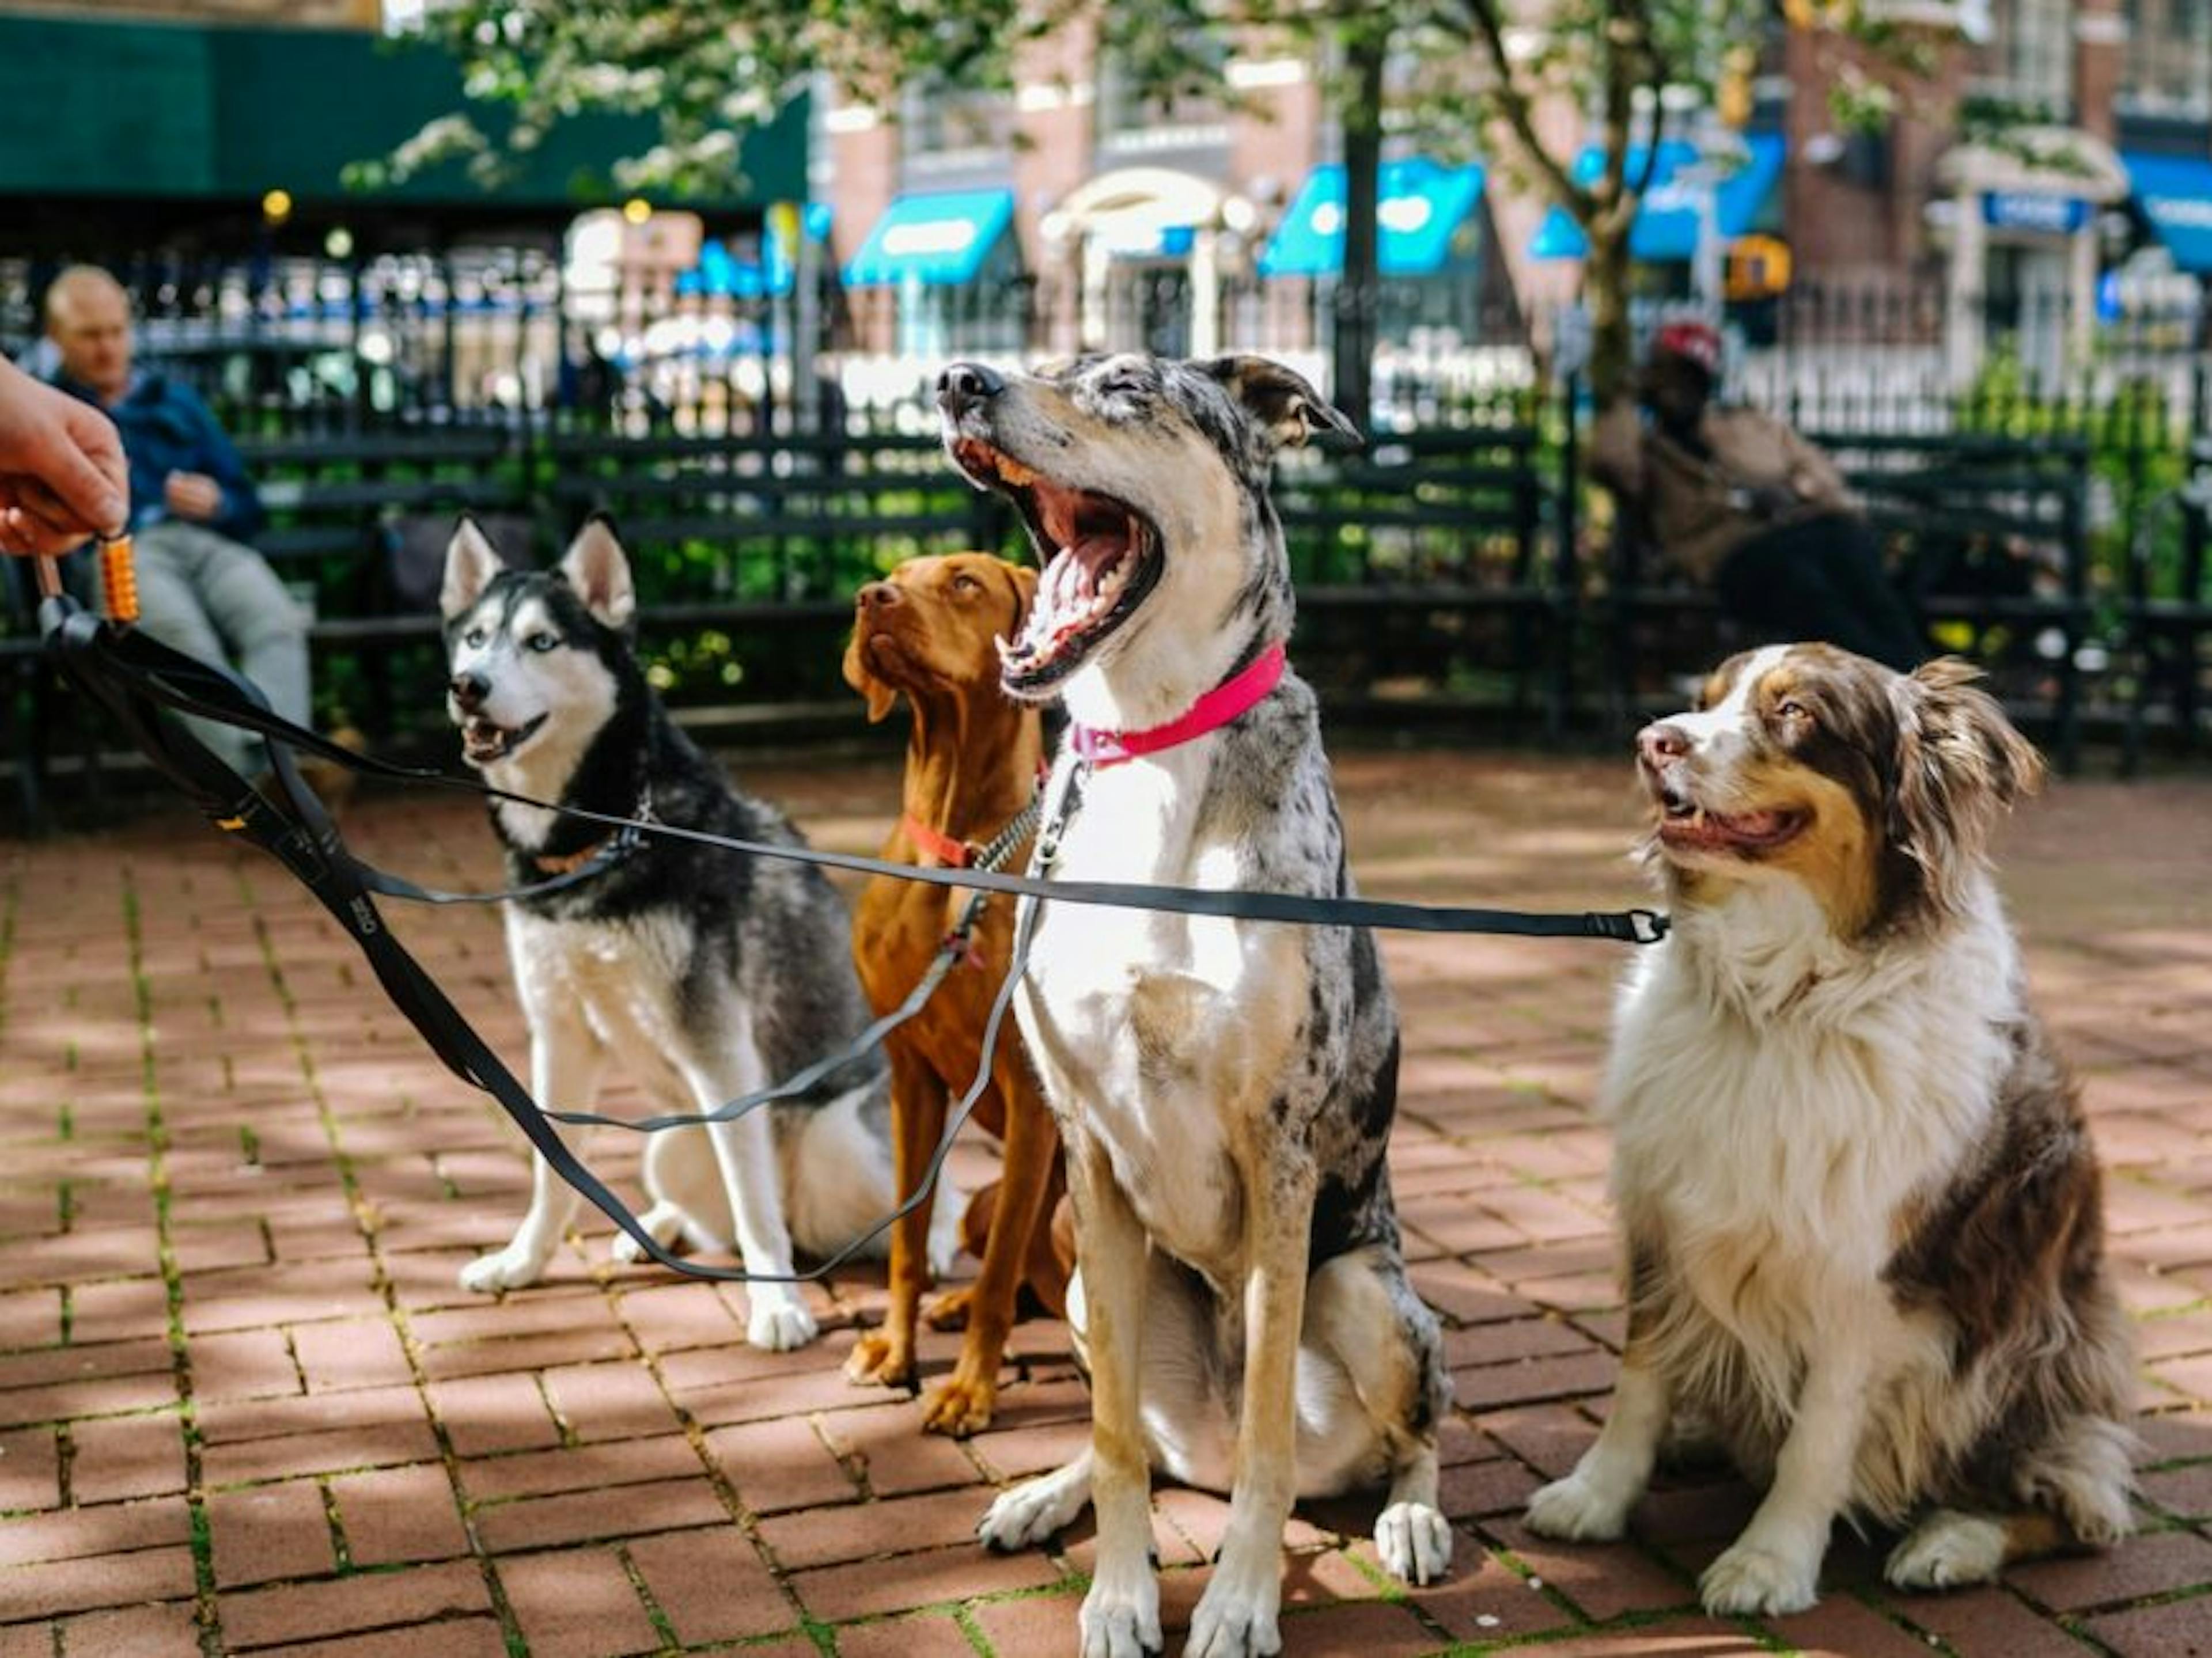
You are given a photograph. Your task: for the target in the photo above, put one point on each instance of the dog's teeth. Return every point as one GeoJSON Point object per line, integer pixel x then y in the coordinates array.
{"type": "Point", "coordinates": [1006, 650]}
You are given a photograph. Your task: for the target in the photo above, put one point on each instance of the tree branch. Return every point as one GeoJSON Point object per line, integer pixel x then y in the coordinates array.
{"type": "Point", "coordinates": [1513, 104]}
{"type": "Point", "coordinates": [1658, 83]}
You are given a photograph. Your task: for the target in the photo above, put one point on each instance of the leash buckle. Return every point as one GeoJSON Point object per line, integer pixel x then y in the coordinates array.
{"type": "Point", "coordinates": [1646, 927]}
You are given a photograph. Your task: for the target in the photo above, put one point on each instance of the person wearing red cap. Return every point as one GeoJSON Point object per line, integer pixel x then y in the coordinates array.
{"type": "Point", "coordinates": [1738, 501]}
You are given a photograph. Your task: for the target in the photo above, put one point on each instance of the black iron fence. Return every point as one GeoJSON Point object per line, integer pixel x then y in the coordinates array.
{"type": "Point", "coordinates": [632, 393]}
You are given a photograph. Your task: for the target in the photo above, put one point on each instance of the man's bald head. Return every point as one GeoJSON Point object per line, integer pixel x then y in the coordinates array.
{"type": "Point", "coordinates": [88, 319]}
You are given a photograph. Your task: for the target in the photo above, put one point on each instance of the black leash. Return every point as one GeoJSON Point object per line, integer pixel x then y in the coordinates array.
{"type": "Point", "coordinates": [180, 683]}
{"type": "Point", "coordinates": [956, 948]}
{"type": "Point", "coordinates": [136, 677]}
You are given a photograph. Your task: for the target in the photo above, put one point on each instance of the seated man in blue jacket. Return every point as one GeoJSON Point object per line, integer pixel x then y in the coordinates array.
{"type": "Point", "coordinates": [201, 588]}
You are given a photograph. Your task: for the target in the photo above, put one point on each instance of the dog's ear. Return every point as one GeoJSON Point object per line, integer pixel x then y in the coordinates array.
{"type": "Point", "coordinates": [598, 569]}
{"type": "Point", "coordinates": [1960, 767]}
{"type": "Point", "coordinates": [881, 698]}
{"type": "Point", "coordinates": [471, 563]}
{"type": "Point", "coordinates": [1290, 410]}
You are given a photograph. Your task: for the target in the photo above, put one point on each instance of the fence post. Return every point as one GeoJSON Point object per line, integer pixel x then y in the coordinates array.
{"type": "Point", "coordinates": [1565, 562]}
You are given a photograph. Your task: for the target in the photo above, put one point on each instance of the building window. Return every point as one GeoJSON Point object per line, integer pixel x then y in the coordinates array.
{"type": "Point", "coordinates": [2029, 61]}
{"type": "Point", "coordinates": [946, 124]}
{"type": "Point", "coordinates": [2169, 63]}
{"type": "Point", "coordinates": [1131, 118]}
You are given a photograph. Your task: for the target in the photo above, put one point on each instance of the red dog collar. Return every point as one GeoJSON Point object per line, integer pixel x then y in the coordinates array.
{"type": "Point", "coordinates": [1238, 694]}
{"type": "Point", "coordinates": [935, 843]}
{"type": "Point", "coordinates": [961, 854]}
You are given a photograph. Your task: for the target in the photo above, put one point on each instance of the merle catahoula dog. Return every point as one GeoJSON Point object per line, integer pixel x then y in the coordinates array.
{"type": "Point", "coordinates": [705, 973]}
{"type": "Point", "coordinates": [1224, 1089]}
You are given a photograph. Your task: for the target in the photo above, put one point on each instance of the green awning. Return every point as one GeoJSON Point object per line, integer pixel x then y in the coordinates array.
{"type": "Point", "coordinates": [135, 109]}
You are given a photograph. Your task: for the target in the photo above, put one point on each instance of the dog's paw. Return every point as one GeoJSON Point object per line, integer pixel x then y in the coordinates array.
{"type": "Point", "coordinates": [950, 1311]}
{"type": "Point", "coordinates": [1575, 1509]}
{"type": "Point", "coordinates": [1946, 1550]}
{"type": "Point", "coordinates": [1236, 1620]}
{"type": "Point", "coordinates": [662, 1223]}
{"type": "Point", "coordinates": [959, 1408]}
{"type": "Point", "coordinates": [1030, 1513]}
{"type": "Point", "coordinates": [777, 1326]}
{"type": "Point", "coordinates": [1413, 1541]}
{"type": "Point", "coordinates": [511, 1268]}
{"type": "Point", "coordinates": [1122, 1620]}
{"type": "Point", "coordinates": [1749, 1581]}
{"type": "Point", "coordinates": [877, 1358]}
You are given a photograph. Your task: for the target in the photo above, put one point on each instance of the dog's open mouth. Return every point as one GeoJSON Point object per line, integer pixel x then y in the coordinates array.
{"type": "Point", "coordinates": [482, 743]}
{"type": "Point", "coordinates": [1101, 558]}
{"type": "Point", "coordinates": [1685, 826]}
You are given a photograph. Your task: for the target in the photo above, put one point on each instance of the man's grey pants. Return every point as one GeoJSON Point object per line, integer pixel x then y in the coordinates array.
{"type": "Point", "coordinates": [208, 597]}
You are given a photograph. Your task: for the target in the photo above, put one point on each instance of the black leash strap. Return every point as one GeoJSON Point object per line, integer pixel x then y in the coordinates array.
{"type": "Point", "coordinates": [300, 836]}
{"type": "Point", "coordinates": [180, 683]}
{"type": "Point", "coordinates": [136, 677]}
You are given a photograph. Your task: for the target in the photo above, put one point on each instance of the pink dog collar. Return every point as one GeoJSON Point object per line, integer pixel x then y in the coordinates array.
{"type": "Point", "coordinates": [1238, 694]}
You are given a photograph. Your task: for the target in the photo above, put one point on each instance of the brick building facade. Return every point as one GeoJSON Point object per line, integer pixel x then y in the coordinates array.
{"type": "Point", "coordinates": [2107, 78]}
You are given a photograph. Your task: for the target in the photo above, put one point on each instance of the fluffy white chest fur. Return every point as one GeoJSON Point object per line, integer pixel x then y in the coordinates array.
{"type": "Point", "coordinates": [1173, 1021]}
{"type": "Point", "coordinates": [1779, 1101]}
{"type": "Point", "coordinates": [612, 978]}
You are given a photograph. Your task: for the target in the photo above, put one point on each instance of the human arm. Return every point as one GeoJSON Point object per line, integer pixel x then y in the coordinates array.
{"type": "Point", "coordinates": [63, 479]}
{"type": "Point", "coordinates": [1812, 476]}
{"type": "Point", "coordinates": [217, 492]}
{"type": "Point", "coordinates": [1616, 452]}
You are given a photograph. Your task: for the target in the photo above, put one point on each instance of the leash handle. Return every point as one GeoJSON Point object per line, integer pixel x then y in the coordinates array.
{"type": "Point", "coordinates": [118, 579]}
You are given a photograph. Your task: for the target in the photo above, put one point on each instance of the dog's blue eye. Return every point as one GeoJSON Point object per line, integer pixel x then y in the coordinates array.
{"type": "Point", "coordinates": [474, 638]}
{"type": "Point", "coordinates": [540, 642]}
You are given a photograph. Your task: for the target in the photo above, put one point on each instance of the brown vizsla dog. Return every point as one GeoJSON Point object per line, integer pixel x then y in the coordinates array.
{"type": "Point", "coordinates": [971, 766]}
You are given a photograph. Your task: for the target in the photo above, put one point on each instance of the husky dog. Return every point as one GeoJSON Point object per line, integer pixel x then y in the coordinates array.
{"type": "Point", "coordinates": [1862, 1212]}
{"type": "Point", "coordinates": [1224, 1089]}
{"type": "Point", "coordinates": [708, 972]}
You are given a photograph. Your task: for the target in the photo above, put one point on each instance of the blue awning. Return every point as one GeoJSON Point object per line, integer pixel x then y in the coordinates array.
{"type": "Point", "coordinates": [941, 237]}
{"type": "Point", "coordinates": [1666, 228]}
{"type": "Point", "coordinates": [2175, 193]}
{"type": "Point", "coordinates": [721, 272]}
{"type": "Point", "coordinates": [1421, 204]}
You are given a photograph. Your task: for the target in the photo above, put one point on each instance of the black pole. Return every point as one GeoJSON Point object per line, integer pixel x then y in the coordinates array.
{"type": "Point", "coordinates": [1366, 50]}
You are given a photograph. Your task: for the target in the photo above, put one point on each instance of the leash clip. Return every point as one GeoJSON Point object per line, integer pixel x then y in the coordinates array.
{"type": "Point", "coordinates": [1646, 927]}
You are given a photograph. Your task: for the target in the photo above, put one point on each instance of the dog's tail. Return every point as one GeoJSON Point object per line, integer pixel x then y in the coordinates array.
{"type": "Point", "coordinates": [838, 1180]}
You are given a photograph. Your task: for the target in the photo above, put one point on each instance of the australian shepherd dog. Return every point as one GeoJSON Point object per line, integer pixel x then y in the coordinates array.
{"type": "Point", "coordinates": [1861, 1211]}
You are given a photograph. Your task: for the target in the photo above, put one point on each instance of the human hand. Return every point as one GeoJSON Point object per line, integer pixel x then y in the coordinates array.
{"type": "Point", "coordinates": [63, 478]}
{"type": "Point", "coordinates": [192, 494]}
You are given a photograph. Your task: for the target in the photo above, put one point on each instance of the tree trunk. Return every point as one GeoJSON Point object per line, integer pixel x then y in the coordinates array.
{"type": "Point", "coordinates": [1352, 368]}
{"type": "Point", "coordinates": [1605, 291]}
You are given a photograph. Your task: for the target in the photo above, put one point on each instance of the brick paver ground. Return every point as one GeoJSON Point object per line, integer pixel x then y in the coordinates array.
{"type": "Point", "coordinates": [243, 1407]}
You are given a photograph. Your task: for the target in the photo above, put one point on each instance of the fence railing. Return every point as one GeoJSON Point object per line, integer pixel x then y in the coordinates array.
{"type": "Point", "coordinates": [293, 352]}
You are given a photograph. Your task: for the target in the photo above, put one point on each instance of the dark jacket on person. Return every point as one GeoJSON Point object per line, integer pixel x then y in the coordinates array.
{"type": "Point", "coordinates": [1755, 474]}
{"type": "Point", "coordinates": [166, 429]}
